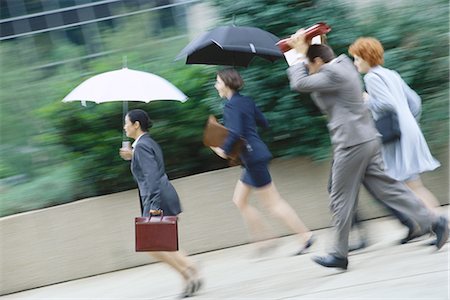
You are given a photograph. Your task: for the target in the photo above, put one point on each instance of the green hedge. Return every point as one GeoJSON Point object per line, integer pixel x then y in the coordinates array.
{"type": "Point", "coordinates": [69, 152]}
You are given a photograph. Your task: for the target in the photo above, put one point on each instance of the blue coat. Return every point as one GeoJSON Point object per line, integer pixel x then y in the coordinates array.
{"type": "Point", "coordinates": [241, 117]}
{"type": "Point", "coordinates": [410, 155]}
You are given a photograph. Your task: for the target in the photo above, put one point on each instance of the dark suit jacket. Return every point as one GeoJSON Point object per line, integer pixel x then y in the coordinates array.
{"type": "Point", "coordinates": [241, 117]}
{"type": "Point", "coordinates": [155, 189]}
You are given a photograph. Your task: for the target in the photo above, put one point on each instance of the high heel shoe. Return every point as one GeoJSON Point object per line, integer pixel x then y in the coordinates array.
{"type": "Point", "coordinates": [194, 283]}
{"type": "Point", "coordinates": [198, 283]}
{"type": "Point", "coordinates": [307, 245]}
{"type": "Point", "coordinates": [189, 290]}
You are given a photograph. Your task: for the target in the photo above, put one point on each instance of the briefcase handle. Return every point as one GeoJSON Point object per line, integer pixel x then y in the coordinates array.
{"type": "Point", "coordinates": [161, 215]}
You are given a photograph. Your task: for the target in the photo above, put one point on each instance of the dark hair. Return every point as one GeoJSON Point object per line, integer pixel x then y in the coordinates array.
{"type": "Point", "coordinates": [138, 115]}
{"type": "Point", "coordinates": [323, 51]}
{"type": "Point", "coordinates": [231, 78]}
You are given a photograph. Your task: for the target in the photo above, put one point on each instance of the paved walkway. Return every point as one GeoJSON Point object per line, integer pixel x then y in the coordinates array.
{"type": "Point", "coordinates": [384, 270]}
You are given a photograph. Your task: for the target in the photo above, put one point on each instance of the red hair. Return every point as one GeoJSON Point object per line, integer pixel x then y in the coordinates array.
{"type": "Point", "coordinates": [369, 49]}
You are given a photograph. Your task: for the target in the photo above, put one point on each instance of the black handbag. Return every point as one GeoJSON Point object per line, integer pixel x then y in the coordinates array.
{"type": "Point", "coordinates": [387, 125]}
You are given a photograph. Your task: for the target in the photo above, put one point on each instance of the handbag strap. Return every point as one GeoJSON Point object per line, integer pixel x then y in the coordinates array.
{"type": "Point", "coordinates": [382, 79]}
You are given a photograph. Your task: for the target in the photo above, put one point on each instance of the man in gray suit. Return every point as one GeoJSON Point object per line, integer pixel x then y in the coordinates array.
{"type": "Point", "coordinates": [336, 89]}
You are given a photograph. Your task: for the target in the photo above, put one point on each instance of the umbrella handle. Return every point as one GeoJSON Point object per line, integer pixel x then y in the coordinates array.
{"type": "Point", "coordinates": [124, 114]}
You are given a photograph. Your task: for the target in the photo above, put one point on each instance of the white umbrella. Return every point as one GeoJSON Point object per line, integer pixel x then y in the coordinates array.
{"type": "Point", "coordinates": [125, 85]}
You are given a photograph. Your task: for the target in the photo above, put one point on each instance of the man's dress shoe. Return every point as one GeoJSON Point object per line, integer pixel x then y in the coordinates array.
{"type": "Point", "coordinates": [331, 261]}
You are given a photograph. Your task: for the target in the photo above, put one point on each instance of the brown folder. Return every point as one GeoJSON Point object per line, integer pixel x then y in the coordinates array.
{"type": "Point", "coordinates": [215, 135]}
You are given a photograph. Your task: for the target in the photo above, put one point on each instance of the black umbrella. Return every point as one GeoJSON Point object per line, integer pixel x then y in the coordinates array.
{"type": "Point", "coordinates": [231, 46]}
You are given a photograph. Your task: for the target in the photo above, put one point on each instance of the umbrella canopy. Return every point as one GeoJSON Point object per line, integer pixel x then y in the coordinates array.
{"type": "Point", "coordinates": [125, 85]}
{"type": "Point", "coordinates": [231, 46]}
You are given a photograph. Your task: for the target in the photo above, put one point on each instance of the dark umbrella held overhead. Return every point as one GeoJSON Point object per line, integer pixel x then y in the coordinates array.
{"type": "Point", "coordinates": [232, 46]}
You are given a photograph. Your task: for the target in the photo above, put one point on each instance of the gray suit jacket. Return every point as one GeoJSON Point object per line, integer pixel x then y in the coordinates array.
{"type": "Point", "coordinates": [337, 91]}
{"type": "Point", "coordinates": [155, 189]}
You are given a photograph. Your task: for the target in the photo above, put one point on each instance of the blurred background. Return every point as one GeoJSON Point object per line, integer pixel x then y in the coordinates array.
{"type": "Point", "coordinates": [53, 152]}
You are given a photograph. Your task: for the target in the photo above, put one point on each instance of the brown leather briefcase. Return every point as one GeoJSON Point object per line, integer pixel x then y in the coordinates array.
{"type": "Point", "coordinates": [156, 233]}
{"type": "Point", "coordinates": [215, 135]}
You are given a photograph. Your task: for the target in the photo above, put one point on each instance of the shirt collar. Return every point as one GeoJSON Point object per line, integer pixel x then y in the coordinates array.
{"type": "Point", "coordinates": [136, 140]}
{"type": "Point", "coordinates": [375, 68]}
{"type": "Point", "coordinates": [333, 61]}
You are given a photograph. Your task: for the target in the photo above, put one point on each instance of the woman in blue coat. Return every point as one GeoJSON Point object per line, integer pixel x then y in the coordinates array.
{"type": "Point", "coordinates": [241, 118]}
{"type": "Point", "coordinates": [408, 157]}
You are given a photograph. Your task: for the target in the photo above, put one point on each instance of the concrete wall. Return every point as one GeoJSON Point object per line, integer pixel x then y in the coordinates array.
{"type": "Point", "coordinates": [96, 235]}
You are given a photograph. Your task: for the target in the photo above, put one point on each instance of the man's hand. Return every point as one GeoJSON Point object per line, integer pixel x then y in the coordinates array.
{"type": "Point", "coordinates": [365, 97]}
{"type": "Point", "coordinates": [298, 42]}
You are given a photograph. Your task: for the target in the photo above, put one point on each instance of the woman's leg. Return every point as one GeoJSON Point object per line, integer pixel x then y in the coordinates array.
{"type": "Point", "coordinates": [172, 259]}
{"type": "Point", "coordinates": [187, 264]}
{"type": "Point", "coordinates": [276, 205]}
{"type": "Point", "coordinates": [423, 193]}
{"type": "Point", "coordinates": [250, 214]}
{"type": "Point", "coordinates": [179, 261]}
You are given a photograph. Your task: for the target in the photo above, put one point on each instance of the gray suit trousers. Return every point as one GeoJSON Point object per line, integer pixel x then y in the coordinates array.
{"type": "Point", "coordinates": [363, 163]}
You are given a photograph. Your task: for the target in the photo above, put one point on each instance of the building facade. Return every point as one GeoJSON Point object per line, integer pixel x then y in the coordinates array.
{"type": "Point", "coordinates": [43, 24]}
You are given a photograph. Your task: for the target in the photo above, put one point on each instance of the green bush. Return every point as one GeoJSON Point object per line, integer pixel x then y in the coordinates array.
{"type": "Point", "coordinates": [416, 40]}
{"type": "Point", "coordinates": [69, 152]}
{"type": "Point", "coordinates": [52, 186]}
